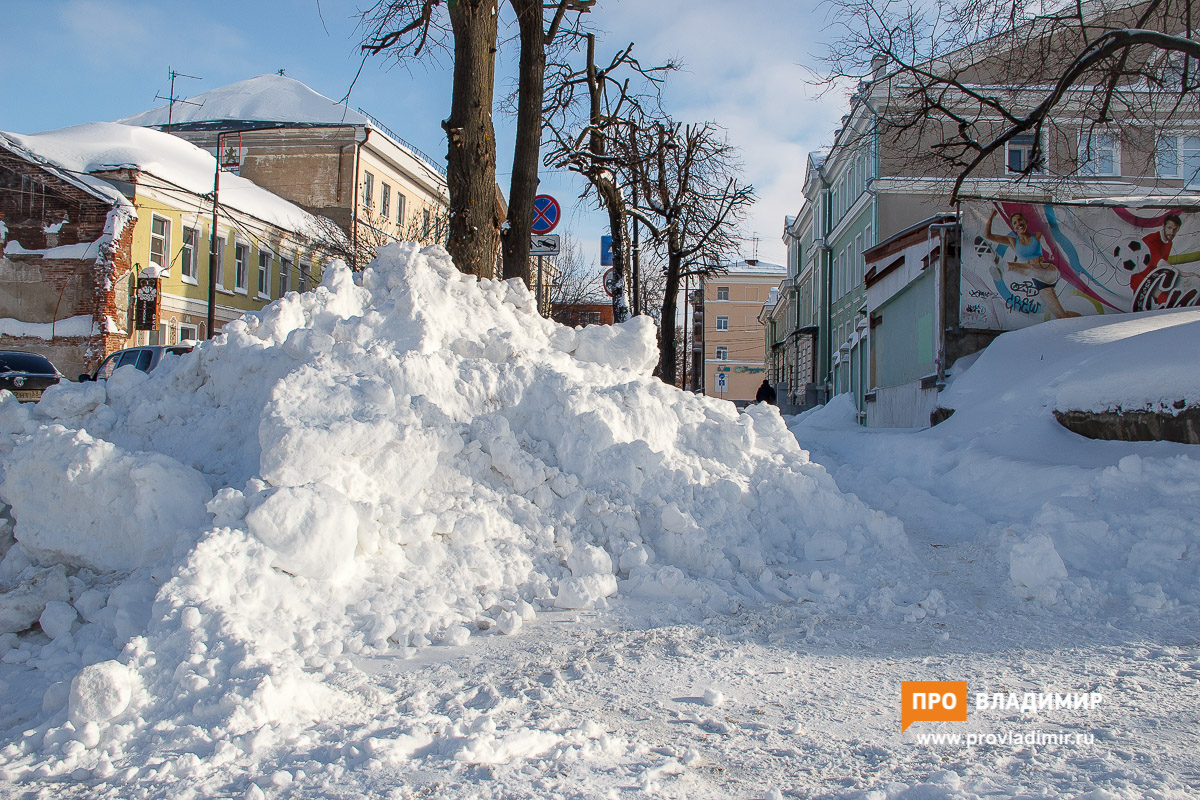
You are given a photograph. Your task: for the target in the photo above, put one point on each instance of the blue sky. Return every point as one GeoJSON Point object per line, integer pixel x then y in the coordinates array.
{"type": "Point", "coordinates": [72, 61]}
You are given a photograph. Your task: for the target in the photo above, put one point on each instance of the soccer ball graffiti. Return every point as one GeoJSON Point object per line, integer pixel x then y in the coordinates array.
{"type": "Point", "coordinates": [1133, 256]}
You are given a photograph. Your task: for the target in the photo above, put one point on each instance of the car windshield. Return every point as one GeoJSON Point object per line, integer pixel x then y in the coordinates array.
{"type": "Point", "coordinates": [29, 363]}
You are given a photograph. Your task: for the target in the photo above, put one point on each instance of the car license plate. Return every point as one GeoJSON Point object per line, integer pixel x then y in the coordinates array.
{"type": "Point", "coordinates": [26, 395]}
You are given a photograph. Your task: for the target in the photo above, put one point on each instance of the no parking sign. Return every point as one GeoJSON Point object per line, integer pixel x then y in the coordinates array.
{"type": "Point", "coordinates": [546, 213]}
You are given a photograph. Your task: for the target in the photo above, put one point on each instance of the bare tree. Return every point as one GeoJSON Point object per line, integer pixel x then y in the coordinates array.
{"type": "Point", "coordinates": [955, 82]}
{"type": "Point", "coordinates": [589, 115]}
{"type": "Point", "coordinates": [415, 29]}
{"type": "Point", "coordinates": [372, 232]}
{"type": "Point", "coordinates": [412, 28]}
{"type": "Point", "coordinates": [693, 203]}
{"type": "Point", "coordinates": [576, 282]}
{"type": "Point", "coordinates": [535, 41]}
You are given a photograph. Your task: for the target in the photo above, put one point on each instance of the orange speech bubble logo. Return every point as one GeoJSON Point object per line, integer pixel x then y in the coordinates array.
{"type": "Point", "coordinates": [932, 701]}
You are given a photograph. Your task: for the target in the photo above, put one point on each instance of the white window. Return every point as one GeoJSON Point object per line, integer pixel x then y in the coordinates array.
{"type": "Point", "coordinates": [722, 323]}
{"type": "Point", "coordinates": [264, 273]}
{"type": "Point", "coordinates": [722, 353]}
{"type": "Point", "coordinates": [1019, 153]}
{"type": "Point", "coordinates": [722, 292]}
{"type": "Point", "coordinates": [385, 200]}
{"type": "Point", "coordinates": [188, 332]}
{"type": "Point", "coordinates": [1178, 156]}
{"type": "Point", "coordinates": [860, 263]}
{"type": "Point", "coordinates": [219, 262]}
{"type": "Point", "coordinates": [426, 224]}
{"type": "Point", "coordinates": [368, 189]}
{"type": "Point", "coordinates": [187, 255]}
{"type": "Point", "coordinates": [285, 268]}
{"type": "Point", "coordinates": [399, 208]}
{"type": "Point", "coordinates": [160, 243]}
{"type": "Point", "coordinates": [305, 272]}
{"type": "Point", "coordinates": [241, 253]}
{"type": "Point", "coordinates": [1099, 153]}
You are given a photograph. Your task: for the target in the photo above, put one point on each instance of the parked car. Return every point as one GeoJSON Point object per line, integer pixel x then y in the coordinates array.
{"type": "Point", "coordinates": [144, 358]}
{"type": "Point", "coordinates": [26, 374]}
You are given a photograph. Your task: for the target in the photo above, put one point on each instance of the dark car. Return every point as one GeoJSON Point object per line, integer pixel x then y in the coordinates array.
{"type": "Point", "coordinates": [26, 374]}
{"type": "Point", "coordinates": [143, 358]}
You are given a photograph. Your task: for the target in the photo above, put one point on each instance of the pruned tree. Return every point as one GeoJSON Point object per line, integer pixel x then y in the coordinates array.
{"type": "Point", "coordinates": [537, 35]}
{"type": "Point", "coordinates": [589, 115]}
{"type": "Point", "coordinates": [693, 203]}
{"type": "Point", "coordinates": [429, 227]}
{"type": "Point", "coordinates": [414, 29]}
{"type": "Point", "coordinates": [954, 83]}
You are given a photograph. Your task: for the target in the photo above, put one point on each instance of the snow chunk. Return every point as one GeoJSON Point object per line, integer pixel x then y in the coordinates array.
{"type": "Point", "coordinates": [312, 529]}
{"type": "Point", "coordinates": [99, 693]}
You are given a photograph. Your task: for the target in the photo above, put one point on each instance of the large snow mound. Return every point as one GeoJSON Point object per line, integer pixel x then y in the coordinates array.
{"type": "Point", "coordinates": [395, 459]}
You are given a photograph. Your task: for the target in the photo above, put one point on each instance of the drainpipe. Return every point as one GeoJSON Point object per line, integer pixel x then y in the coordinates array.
{"type": "Point", "coordinates": [939, 299]}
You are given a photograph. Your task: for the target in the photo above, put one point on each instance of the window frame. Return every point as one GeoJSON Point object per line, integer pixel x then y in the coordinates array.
{"type": "Point", "coordinates": [188, 270]}
{"type": "Point", "coordinates": [723, 289]}
{"type": "Point", "coordinates": [164, 262]}
{"type": "Point", "coordinates": [1088, 153]}
{"type": "Point", "coordinates": [241, 271]}
{"type": "Point", "coordinates": [1009, 149]}
{"type": "Point", "coordinates": [285, 268]}
{"type": "Point", "coordinates": [385, 199]}
{"type": "Point", "coordinates": [1178, 153]}
{"type": "Point", "coordinates": [400, 203]}
{"type": "Point", "coordinates": [218, 262]}
{"type": "Point", "coordinates": [722, 323]}
{"type": "Point", "coordinates": [265, 257]}
{"type": "Point", "coordinates": [368, 189]}
{"type": "Point", "coordinates": [722, 352]}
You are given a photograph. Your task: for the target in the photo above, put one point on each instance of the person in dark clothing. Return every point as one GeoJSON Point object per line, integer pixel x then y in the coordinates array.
{"type": "Point", "coordinates": [765, 394]}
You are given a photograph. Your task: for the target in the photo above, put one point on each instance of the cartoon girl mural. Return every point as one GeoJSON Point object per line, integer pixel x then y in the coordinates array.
{"type": "Point", "coordinates": [1031, 253]}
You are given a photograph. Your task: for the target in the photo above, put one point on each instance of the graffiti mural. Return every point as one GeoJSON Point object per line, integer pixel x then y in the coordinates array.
{"type": "Point", "coordinates": [1024, 263]}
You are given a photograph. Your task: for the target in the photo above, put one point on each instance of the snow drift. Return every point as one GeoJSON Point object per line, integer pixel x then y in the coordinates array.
{"type": "Point", "coordinates": [396, 459]}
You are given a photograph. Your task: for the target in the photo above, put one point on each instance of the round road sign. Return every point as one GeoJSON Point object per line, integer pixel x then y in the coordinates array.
{"type": "Point", "coordinates": [610, 282]}
{"type": "Point", "coordinates": [546, 214]}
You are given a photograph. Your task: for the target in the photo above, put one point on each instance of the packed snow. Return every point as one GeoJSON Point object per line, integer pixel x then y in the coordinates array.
{"type": "Point", "coordinates": [400, 536]}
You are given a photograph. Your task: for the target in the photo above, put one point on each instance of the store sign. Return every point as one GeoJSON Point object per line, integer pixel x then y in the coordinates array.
{"type": "Point", "coordinates": [145, 304]}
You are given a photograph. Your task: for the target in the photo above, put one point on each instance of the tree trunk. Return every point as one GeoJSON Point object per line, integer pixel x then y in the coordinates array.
{"type": "Point", "coordinates": [666, 326]}
{"type": "Point", "coordinates": [471, 162]}
{"type": "Point", "coordinates": [530, 93]}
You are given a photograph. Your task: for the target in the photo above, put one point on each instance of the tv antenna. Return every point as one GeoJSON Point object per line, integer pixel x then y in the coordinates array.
{"type": "Point", "coordinates": [172, 99]}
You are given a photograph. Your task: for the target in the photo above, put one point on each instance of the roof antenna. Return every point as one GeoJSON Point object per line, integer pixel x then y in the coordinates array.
{"type": "Point", "coordinates": [171, 95]}
{"type": "Point", "coordinates": [282, 73]}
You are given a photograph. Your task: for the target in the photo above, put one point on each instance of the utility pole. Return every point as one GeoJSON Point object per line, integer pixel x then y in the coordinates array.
{"type": "Point", "coordinates": [636, 251]}
{"type": "Point", "coordinates": [687, 354]}
{"type": "Point", "coordinates": [172, 99]}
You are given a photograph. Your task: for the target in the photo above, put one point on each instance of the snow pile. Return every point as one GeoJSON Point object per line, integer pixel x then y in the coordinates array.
{"type": "Point", "coordinates": [1080, 526]}
{"type": "Point", "coordinates": [388, 462]}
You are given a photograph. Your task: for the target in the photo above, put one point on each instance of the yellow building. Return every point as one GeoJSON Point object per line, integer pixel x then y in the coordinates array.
{"type": "Point", "coordinates": [733, 335]}
{"type": "Point", "coordinates": [265, 246]}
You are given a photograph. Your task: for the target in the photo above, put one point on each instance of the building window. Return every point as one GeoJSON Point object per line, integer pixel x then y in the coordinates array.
{"type": "Point", "coordinates": [305, 272]}
{"type": "Point", "coordinates": [160, 244]}
{"type": "Point", "coordinates": [264, 273]}
{"type": "Point", "coordinates": [240, 253]}
{"type": "Point", "coordinates": [399, 208]}
{"type": "Point", "coordinates": [1019, 154]}
{"type": "Point", "coordinates": [722, 323]}
{"type": "Point", "coordinates": [188, 332]}
{"type": "Point", "coordinates": [1178, 156]}
{"type": "Point", "coordinates": [187, 254]}
{"type": "Point", "coordinates": [368, 189]}
{"type": "Point", "coordinates": [722, 353]}
{"type": "Point", "coordinates": [722, 292]}
{"type": "Point", "coordinates": [426, 224]}
{"type": "Point", "coordinates": [385, 200]}
{"type": "Point", "coordinates": [285, 267]}
{"type": "Point", "coordinates": [219, 262]}
{"type": "Point", "coordinates": [1099, 154]}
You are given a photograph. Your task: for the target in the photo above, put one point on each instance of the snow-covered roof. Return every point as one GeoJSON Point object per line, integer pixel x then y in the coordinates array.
{"type": "Point", "coordinates": [755, 267]}
{"type": "Point", "coordinates": [105, 146]}
{"type": "Point", "coordinates": [96, 187]}
{"type": "Point", "coordinates": [267, 98]}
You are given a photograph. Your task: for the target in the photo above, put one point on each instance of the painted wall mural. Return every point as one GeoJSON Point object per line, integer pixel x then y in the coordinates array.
{"type": "Point", "coordinates": [1024, 263]}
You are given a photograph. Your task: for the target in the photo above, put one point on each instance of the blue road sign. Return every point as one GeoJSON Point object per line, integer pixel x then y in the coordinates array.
{"type": "Point", "coordinates": [606, 251]}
